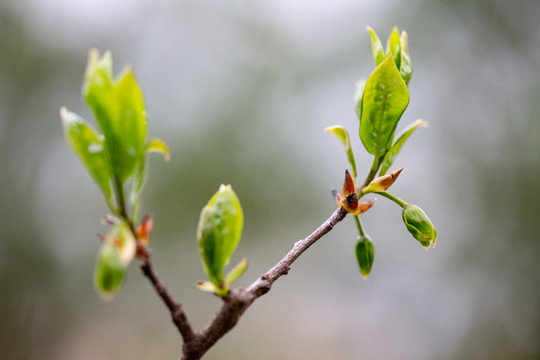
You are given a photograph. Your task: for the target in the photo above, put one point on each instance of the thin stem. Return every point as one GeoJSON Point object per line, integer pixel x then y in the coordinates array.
{"type": "Point", "coordinates": [238, 300]}
{"type": "Point", "coordinates": [359, 226]}
{"type": "Point", "coordinates": [373, 172]}
{"type": "Point", "coordinates": [392, 197]}
{"type": "Point", "coordinates": [179, 318]}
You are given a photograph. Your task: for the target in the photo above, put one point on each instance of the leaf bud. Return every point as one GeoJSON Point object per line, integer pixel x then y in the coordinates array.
{"type": "Point", "coordinates": [144, 230]}
{"type": "Point", "coordinates": [419, 225]}
{"type": "Point", "coordinates": [109, 271]}
{"type": "Point", "coordinates": [365, 253]}
{"type": "Point", "coordinates": [382, 183]}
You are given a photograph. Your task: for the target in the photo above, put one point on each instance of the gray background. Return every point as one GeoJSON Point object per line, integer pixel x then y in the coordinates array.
{"type": "Point", "coordinates": [241, 91]}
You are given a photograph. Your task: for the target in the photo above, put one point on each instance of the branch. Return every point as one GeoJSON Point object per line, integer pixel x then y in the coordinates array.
{"type": "Point", "coordinates": [178, 315]}
{"type": "Point", "coordinates": [237, 301]}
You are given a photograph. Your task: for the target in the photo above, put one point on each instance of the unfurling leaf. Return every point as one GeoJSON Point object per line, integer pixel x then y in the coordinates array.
{"type": "Point", "coordinates": [118, 105]}
{"type": "Point", "coordinates": [159, 146]}
{"type": "Point", "coordinates": [393, 47]}
{"type": "Point", "coordinates": [90, 148]}
{"type": "Point", "coordinates": [109, 272]}
{"type": "Point", "coordinates": [236, 272]}
{"type": "Point", "coordinates": [376, 47]}
{"type": "Point", "coordinates": [365, 253]}
{"type": "Point", "coordinates": [385, 99]}
{"type": "Point", "coordinates": [405, 68]}
{"type": "Point", "coordinates": [419, 225]}
{"type": "Point", "coordinates": [398, 144]}
{"type": "Point", "coordinates": [114, 256]}
{"type": "Point", "coordinates": [358, 95]}
{"type": "Point", "coordinates": [219, 231]}
{"type": "Point", "coordinates": [343, 135]}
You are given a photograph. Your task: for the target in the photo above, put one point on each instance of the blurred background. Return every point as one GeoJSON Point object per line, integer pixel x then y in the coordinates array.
{"type": "Point", "coordinates": [241, 92]}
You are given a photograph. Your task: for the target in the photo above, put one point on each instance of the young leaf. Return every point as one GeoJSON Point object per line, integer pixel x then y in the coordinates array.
{"type": "Point", "coordinates": [109, 272]}
{"type": "Point", "coordinates": [119, 109]}
{"type": "Point", "coordinates": [385, 99]}
{"type": "Point", "coordinates": [398, 144]}
{"type": "Point", "coordinates": [358, 95]}
{"type": "Point", "coordinates": [393, 46]}
{"type": "Point", "coordinates": [376, 46]}
{"type": "Point", "coordinates": [90, 148]}
{"type": "Point", "coordinates": [219, 231]}
{"type": "Point", "coordinates": [236, 272]}
{"type": "Point", "coordinates": [159, 146]}
{"type": "Point", "coordinates": [343, 135]}
{"type": "Point", "coordinates": [405, 67]}
{"type": "Point", "coordinates": [365, 253]}
{"type": "Point", "coordinates": [138, 178]}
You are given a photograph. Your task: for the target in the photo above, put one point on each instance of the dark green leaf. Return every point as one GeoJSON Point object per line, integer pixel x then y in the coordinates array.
{"type": "Point", "coordinates": [90, 148]}
{"type": "Point", "coordinates": [385, 99]}
{"type": "Point", "coordinates": [365, 253]}
{"type": "Point", "coordinates": [343, 135]}
{"type": "Point", "coordinates": [398, 144]}
{"type": "Point", "coordinates": [219, 231]}
{"type": "Point", "coordinates": [376, 47]}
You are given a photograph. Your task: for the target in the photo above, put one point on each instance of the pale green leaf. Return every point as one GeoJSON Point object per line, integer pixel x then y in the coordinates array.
{"type": "Point", "coordinates": [405, 67]}
{"type": "Point", "coordinates": [90, 148]}
{"type": "Point", "coordinates": [158, 146]}
{"type": "Point", "coordinates": [343, 135]}
{"type": "Point", "coordinates": [236, 272]}
{"type": "Point", "coordinates": [398, 144]}
{"type": "Point", "coordinates": [376, 47]}
{"type": "Point", "coordinates": [219, 231]}
{"type": "Point", "coordinates": [393, 46]}
{"type": "Point", "coordinates": [358, 95]}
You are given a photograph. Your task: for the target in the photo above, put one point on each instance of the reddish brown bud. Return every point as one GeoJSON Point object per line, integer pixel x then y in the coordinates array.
{"type": "Point", "coordinates": [144, 230]}
{"type": "Point", "coordinates": [348, 184]}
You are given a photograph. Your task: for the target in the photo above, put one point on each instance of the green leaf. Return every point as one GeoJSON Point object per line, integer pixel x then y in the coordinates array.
{"type": "Point", "coordinates": [236, 272]}
{"type": "Point", "coordinates": [376, 46]}
{"type": "Point", "coordinates": [158, 146]}
{"type": "Point", "coordinates": [398, 144]}
{"type": "Point", "coordinates": [385, 99]}
{"type": "Point", "coordinates": [90, 148]}
{"type": "Point", "coordinates": [109, 272]}
{"type": "Point", "coordinates": [405, 67]}
{"type": "Point", "coordinates": [365, 253]}
{"type": "Point", "coordinates": [119, 109]}
{"type": "Point", "coordinates": [393, 46]}
{"type": "Point", "coordinates": [138, 179]}
{"type": "Point", "coordinates": [219, 231]}
{"type": "Point", "coordinates": [343, 135]}
{"type": "Point", "coordinates": [358, 95]}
